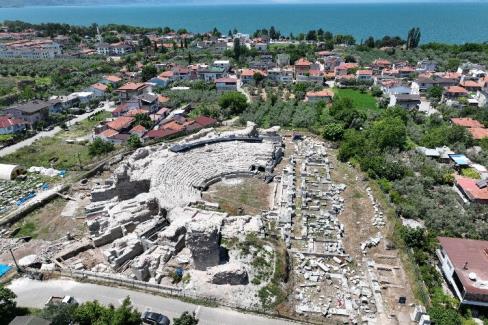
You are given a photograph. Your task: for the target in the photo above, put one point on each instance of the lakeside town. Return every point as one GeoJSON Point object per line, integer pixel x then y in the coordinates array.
{"type": "Point", "coordinates": [304, 178]}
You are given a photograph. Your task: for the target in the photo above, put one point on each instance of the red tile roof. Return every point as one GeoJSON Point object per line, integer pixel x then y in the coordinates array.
{"type": "Point", "coordinates": [135, 112]}
{"type": "Point", "coordinates": [122, 108]}
{"type": "Point", "coordinates": [247, 73]}
{"type": "Point", "coordinates": [456, 90]}
{"type": "Point", "coordinates": [302, 62]}
{"type": "Point", "coordinates": [364, 72]}
{"type": "Point", "coordinates": [173, 125]}
{"type": "Point", "coordinates": [471, 84]}
{"type": "Point", "coordinates": [163, 99]}
{"type": "Point", "coordinates": [160, 134]}
{"type": "Point", "coordinates": [138, 129]}
{"type": "Point", "coordinates": [469, 187]}
{"type": "Point", "coordinates": [108, 133]}
{"type": "Point", "coordinates": [120, 123]}
{"type": "Point", "coordinates": [166, 74]}
{"type": "Point", "coordinates": [478, 133]}
{"type": "Point", "coordinates": [6, 121]}
{"type": "Point", "coordinates": [467, 122]}
{"type": "Point", "coordinates": [131, 86]}
{"type": "Point", "coordinates": [99, 86]}
{"type": "Point", "coordinates": [205, 121]}
{"type": "Point", "coordinates": [226, 80]}
{"type": "Point", "coordinates": [381, 62]}
{"type": "Point", "coordinates": [473, 252]}
{"type": "Point", "coordinates": [112, 78]}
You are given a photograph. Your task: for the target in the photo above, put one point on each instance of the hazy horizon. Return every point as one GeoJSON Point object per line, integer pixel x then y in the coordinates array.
{"type": "Point", "coordinates": [220, 2]}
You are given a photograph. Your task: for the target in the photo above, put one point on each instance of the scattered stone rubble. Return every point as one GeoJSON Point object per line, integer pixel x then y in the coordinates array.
{"type": "Point", "coordinates": [307, 208]}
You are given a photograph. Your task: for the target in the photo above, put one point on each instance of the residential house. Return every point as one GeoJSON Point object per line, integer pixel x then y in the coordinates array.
{"type": "Point", "coordinates": [211, 73]}
{"type": "Point", "coordinates": [397, 89]}
{"type": "Point", "coordinates": [424, 83]}
{"type": "Point", "coordinates": [261, 47]}
{"type": "Point", "coordinates": [426, 66]}
{"type": "Point", "coordinates": [138, 130]}
{"type": "Point", "coordinates": [323, 95]}
{"type": "Point", "coordinates": [205, 121]}
{"type": "Point", "coordinates": [345, 68]}
{"type": "Point", "coordinates": [55, 105]}
{"type": "Point", "coordinates": [149, 102]}
{"type": "Point", "coordinates": [478, 133]}
{"type": "Point", "coordinates": [162, 80]}
{"type": "Point", "coordinates": [116, 49]}
{"type": "Point", "coordinates": [331, 62]}
{"type": "Point", "coordinates": [99, 89]}
{"type": "Point", "coordinates": [125, 107]}
{"type": "Point", "coordinates": [226, 84]}
{"type": "Point", "coordinates": [111, 80]}
{"type": "Point", "coordinates": [464, 264]}
{"type": "Point", "coordinates": [471, 85]}
{"type": "Point", "coordinates": [281, 75]}
{"type": "Point", "coordinates": [476, 128]}
{"type": "Point", "coordinates": [406, 72]}
{"type": "Point", "coordinates": [225, 64]}
{"type": "Point", "coordinates": [132, 89]}
{"type": "Point", "coordinates": [302, 67]}
{"type": "Point", "coordinates": [247, 76]}
{"type": "Point", "coordinates": [466, 122]}
{"type": "Point", "coordinates": [380, 65]}
{"type": "Point", "coordinates": [364, 75]}
{"type": "Point", "coordinates": [454, 92]}
{"type": "Point", "coordinates": [121, 124]}
{"type": "Point", "coordinates": [282, 59]}
{"type": "Point", "coordinates": [31, 112]}
{"type": "Point", "coordinates": [11, 125]}
{"type": "Point", "coordinates": [84, 97]}
{"type": "Point", "coordinates": [161, 134]}
{"type": "Point", "coordinates": [407, 101]}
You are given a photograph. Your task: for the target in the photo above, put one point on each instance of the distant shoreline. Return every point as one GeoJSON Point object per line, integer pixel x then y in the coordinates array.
{"type": "Point", "coordinates": [360, 20]}
{"type": "Point", "coordinates": [264, 3]}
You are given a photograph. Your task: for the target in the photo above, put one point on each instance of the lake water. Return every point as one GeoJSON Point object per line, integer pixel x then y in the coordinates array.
{"type": "Point", "coordinates": [442, 22]}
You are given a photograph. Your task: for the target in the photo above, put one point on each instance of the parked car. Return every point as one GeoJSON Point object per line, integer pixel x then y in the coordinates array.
{"type": "Point", "coordinates": [53, 300]}
{"type": "Point", "coordinates": [149, 317]}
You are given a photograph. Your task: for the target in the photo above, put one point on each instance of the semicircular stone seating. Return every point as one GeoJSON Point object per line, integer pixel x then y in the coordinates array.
{"type": "Point", "coordinates": [177, 177]}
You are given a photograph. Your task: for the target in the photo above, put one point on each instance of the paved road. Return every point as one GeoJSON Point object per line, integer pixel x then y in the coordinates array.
{"type": "Point", "coordinates": [27, 142]}
{"type": "Point", "coordinates": [32, 293]}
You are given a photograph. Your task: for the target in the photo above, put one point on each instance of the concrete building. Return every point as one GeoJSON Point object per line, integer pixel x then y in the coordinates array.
{"type": "Point", "coordinates": [408, 101]}
{"type": "Point", "coordinates": [30, 49]}
{"type": "Point", "coordinates": [32, 112]}
{"type": "Point", "coordinates": [9, 125]}
{"type": "Point", "coordinates": [132, 89]}
{"type": "Point", "coordinates": [226, 84]}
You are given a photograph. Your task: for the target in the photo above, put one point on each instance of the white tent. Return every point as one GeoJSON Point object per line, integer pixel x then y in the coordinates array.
{"type": "Point", "coordinates": [10, 172]}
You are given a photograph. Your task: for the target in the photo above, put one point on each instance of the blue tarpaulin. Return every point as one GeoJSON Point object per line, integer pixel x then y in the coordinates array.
{"type": "Point", "coordinates": [460, 159]}
{"type": "Point", "coordinates": [4, 269]}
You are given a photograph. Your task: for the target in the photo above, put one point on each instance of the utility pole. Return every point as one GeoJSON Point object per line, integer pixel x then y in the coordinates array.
{"type": "Point", "coordinates": [15, 261]}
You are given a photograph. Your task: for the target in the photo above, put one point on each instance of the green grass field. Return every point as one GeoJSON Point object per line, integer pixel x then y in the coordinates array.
{"type": "Point", "coordinates": [361, 101]}
{"type": "Point", "coordinates": [63, 155]}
